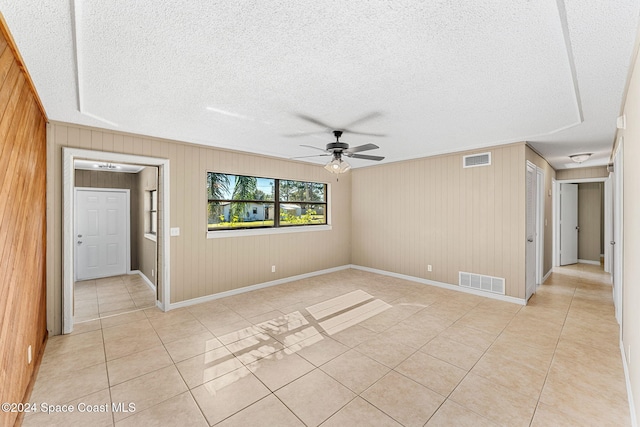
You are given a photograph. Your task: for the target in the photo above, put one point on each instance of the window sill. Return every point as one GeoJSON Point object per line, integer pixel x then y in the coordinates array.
{"type": "Point", "coordinates": [150, 236]}
{"type": "Point", "coordinates": [263, 231]}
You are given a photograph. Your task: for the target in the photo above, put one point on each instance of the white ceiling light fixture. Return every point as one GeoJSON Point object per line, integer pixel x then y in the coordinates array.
{"type": "Point", "coordinates": [579, 158]}
{"type": "Point", "coordinates": [337, 165]}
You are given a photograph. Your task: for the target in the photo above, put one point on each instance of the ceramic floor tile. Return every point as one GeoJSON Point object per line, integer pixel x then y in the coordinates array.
{"type": "Point", "coordinates": [359, 412]}
{"type": "Point", "coordinates": [354, 336]}
{"type": "Point", "coordinates": [228, 394]}
{"type": "Point", "coordinates": [547, 415]}
{"type": "Point", "coordinates": [511, 374]}
{"type": "Point", "coordinates": [319, 349]}
{"type": "Point", "coordinates": [413, 334]}
{"type": "Point", "coordinates": [386, 351]}
{"type": "Point", "coordinates": [355, 370]}
{"type": "Point", "coordinates": [406, 401]}
{"type": "Point", "coordinates": [471, 337]}
{"type": "Point", "coordinates": [116, 348]}
{"type": "Point", "coordinates": [175, 331]}
{"type": "Point", "coordinates": [452, 352]}
{"type": "Point", "coordinates": [314, 397]}
{"type": "Point", "coordinates": [452, 414]}
{"type": "Point", "coordinates": [280, 368]}
{"type": "Point", "coordinates": [137, 364]}
{"type": "Point", "coordinates": [180, 410]}
{"type": "Point", "coordinates": [193, 345]}
{"type": "Point", "coordinates": [433, 373]}
{"type": "Point", "coordinates": [208, 366]}
{"type": "Point", "coordinates": [80, 417]}
{"type": "Point", "coordinates": [134, 316]}
{"type": "Point", "coordinates": [266, 412]}
{"type": "Point", "coordinates": [483, 397]}
{"type": "Point", "coordinates": [148, 390]}
{"type": "Point", "coordinates": [61, 387]}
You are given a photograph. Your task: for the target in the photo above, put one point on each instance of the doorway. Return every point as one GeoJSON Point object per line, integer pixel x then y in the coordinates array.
{"type": "Point", "coordinates": [161, 212]}
{"type": "Point", "coordinates": [534, 223]}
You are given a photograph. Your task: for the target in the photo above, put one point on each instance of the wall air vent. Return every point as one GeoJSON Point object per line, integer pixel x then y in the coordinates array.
{"type": "Point", "coordinates": [475, 160]}
{"type": "Point", "coordinates": [482, 283]}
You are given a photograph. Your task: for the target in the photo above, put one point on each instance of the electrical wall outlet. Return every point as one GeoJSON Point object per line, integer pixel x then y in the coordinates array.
{"type": "Point", "coordinates": [29, 355]}
{"type": "Point", "coordinates": [273, 268]}
{"type": "Point", "coordinates": [429, 267]}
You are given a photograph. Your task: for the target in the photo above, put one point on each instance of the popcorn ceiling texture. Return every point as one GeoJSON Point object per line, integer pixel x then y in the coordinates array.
{"type": "Point", "coordinates": [446, 75]}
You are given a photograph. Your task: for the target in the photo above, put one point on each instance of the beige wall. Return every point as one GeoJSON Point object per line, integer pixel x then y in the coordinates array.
{"type": "Point", "coordinates": [201, 266]}
{"type": "Point", "coordinates": [549, 175]}
{"type": "Point", "coordinates": [103, 179]}
{"type": "Point", "coordinates": [590, 220]}
{"type": "Point", "coordinates": [147, 255]}
{"type": "Point", "coordinates": [631, 230]}
{"type": "Point", "coordinates": [409, 214]}
{"type": "Point", "coordinates": [583, 173]}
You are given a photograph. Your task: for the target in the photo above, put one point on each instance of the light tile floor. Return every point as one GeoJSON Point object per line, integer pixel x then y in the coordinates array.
{"type": "Point", "coordinates": [94, 299]}
{"type": "Point", "coordinates": [435, 358]}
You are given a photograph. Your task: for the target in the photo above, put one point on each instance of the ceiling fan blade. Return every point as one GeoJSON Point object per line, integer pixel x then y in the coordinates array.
{"type": "Point", "coordinates": [304, 157]}
{"type": "Point", "coordinates": [364, 118]}
{"type": "Point", "coordinates": [314, 121]}
{"type": "Point", "coordinates": [365, 157]}
{"type": "Point", "coordinates": [315, 148]}
{"type": "Point", "coordinates": [293, 135]}
{"type": "Point", "coordinates": [363, 133]}
{"type": "Point", "coordinates": [365, 147]}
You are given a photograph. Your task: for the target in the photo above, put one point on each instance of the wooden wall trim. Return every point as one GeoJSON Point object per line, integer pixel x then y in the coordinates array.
{"type": "Point", "coordinates": [4, 30]}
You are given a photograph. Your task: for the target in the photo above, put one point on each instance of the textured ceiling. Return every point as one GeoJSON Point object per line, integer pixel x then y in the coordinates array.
{"type": "Point", "coordinates": [445, 75]}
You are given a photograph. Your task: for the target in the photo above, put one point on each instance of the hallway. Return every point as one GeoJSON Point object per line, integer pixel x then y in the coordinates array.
{"type": "Point", "coordinates": [432, 357]}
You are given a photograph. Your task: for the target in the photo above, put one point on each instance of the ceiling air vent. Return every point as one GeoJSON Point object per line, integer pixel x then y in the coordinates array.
{"type": "Point", "coordinates": [474, 160]}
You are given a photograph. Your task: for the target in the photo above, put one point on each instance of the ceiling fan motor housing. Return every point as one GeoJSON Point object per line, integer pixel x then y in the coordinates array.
{"type": "Point", "coordinates": [337, 146]}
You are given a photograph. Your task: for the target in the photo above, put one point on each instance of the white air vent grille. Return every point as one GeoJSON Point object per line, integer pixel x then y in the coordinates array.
{"type": "Point", "coordinates": [475, 160]}
{"type": "Point", "coordinates": [482, 283]}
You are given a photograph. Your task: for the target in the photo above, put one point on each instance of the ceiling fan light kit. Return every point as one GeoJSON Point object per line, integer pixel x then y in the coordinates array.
{"type": "Point", "coordinates": [337, 149]}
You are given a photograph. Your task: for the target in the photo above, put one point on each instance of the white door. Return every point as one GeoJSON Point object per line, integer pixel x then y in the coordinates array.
{"type": "Point", "coordinates": [568, 224]}
{"type": "Point", "coordinates": [530, 251]}
{"type": "Point", "coordinates": [101, 237]}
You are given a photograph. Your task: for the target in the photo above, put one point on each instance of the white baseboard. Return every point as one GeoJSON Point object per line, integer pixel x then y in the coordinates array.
{"type": "Point", "coordinates": [546, 276]}
{"type": "Point", "coordinates": [250, 288]}
{"type": "Point", "coordinates": [632, 408]}
{"type": "Point", "coordinates": [457, 288]}
{"type": "Point", "coordinates": [588, 261]}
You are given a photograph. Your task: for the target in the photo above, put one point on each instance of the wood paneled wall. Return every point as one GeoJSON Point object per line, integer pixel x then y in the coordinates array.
{"type": "Point", "coordinates": [410, 214]}
{"type": "Point", "coordinates": [129, 181]}
{"type": "Point", "coordinates": [22, 227]}
{"type": "Point", "coordinates": [147, 249]}
{"type": "Point", "coordinates": [201, 266]}
{"type": "Point", "coordinates": [549, 176]}
{"type": "Point", "coordinates": [583, 173]}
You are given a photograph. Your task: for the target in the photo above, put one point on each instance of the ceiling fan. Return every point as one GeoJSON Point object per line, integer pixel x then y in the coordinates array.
{"type": "Point", "coordinates": [339, 149]}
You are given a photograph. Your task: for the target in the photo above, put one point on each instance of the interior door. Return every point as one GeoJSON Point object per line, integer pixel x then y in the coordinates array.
{"type": "Point", "coordinates": [530, 251]}
{"type": "Point", "coordinates": [568, 224]}
{"type": "Point", "coordinates": [101, 233]}
{"type": "Point", "coordinates": [617, 234]}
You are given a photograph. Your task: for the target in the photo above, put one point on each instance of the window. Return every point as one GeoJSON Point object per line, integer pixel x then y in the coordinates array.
{"type": "Point", "coordinates": [151, 219]}
{"type": "Point", "coordinates": [245, 202]}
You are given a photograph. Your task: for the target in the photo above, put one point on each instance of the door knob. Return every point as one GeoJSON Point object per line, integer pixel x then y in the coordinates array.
{"type": "Point", "coordinates": [612, 242]}
{"type": "Point", "coordinates": [530, 240]}
{"type": "Point", "coordinates": [79, 235]}
{"type": "Point", "coordinates": [577, 228]}
{"type": "Point", "coordinates": [79, 242]}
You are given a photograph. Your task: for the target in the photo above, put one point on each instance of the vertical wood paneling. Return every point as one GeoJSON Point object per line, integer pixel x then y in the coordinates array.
{"type": "Point", "coordinates": [583, 173]}
{"type": "Point", "coordinates": [432, 211]}
{"type": "Point", "coordinates": [23, 232]}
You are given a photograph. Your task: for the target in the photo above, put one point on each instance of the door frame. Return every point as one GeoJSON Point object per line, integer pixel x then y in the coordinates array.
{"type": "Point", "coordinates": [538, 182]}
{"type": "Point", "coordinates": [556, 211]}
{"type": "Point", "coordinates": [163, 253]}
{"type": "Point", "coordinates": [127, 265]}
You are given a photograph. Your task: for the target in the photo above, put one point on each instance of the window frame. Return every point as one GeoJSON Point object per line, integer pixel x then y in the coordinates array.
{"type": "Point", "coordinates": [276, 202]}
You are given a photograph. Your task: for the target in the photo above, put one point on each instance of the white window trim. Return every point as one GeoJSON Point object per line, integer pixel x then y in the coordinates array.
{"type": "Point", "coordinates": [262, 231]}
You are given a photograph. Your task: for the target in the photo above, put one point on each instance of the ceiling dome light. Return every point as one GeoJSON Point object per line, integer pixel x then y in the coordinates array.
{"type": "Point", "coordinates": [579, 158]}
